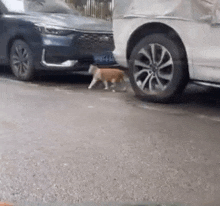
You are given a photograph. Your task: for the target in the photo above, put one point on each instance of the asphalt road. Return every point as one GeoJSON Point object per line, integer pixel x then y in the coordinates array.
{"type": "Point", "coordinates": [61, 144]}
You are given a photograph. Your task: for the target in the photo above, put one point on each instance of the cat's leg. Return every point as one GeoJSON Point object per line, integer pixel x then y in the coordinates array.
{"type": "Point", "coordinates": [125, 85]}
{"type": "Point", "coordinates": [106, 84]}
{"type": "Point", "coordinates": [94, 80]}
{"type": "Point", "coordinates": [113, 85]}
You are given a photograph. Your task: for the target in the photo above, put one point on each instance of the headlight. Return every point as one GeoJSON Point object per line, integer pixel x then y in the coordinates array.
{"type": "Point", "coordinates": [53, 30]}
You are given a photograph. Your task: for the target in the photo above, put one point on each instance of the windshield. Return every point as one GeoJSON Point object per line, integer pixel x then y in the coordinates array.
{"type": "Point", "coordinates": [42, 6]}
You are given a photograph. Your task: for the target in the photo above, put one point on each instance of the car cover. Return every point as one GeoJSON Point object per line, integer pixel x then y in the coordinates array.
{"type": "Point", "coordinates": [187, 9]}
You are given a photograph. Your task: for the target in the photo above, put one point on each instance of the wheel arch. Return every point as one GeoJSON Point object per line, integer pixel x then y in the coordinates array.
{"type": "Point", "coordinates": [151, 28]}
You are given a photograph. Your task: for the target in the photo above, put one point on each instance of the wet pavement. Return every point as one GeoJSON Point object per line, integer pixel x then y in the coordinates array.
{"type": "Point", "coordinates": [62, 144]}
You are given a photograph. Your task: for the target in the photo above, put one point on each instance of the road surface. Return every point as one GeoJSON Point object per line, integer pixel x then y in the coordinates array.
{"type": "Point", "coordinates": [62, 144]}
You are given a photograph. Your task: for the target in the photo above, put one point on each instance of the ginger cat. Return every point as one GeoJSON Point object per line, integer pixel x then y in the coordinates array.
{"type": "Point", "coordinates": [107, 75]}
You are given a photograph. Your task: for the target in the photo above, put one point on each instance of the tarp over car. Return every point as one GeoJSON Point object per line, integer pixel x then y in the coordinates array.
{"type": "Point", "coordinates": [187, 9]}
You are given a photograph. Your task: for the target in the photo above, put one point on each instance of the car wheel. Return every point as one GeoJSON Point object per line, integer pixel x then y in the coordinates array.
{"type": "Point", "coordinates": [158, 69]}
{"type": "Point", "coordinates": [21, 61]}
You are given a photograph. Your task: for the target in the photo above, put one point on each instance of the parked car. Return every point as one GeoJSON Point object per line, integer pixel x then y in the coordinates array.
{"type": "Point", "coordinates": [166, 43]}
{"type": "Point", "coordinates": [49, 35]}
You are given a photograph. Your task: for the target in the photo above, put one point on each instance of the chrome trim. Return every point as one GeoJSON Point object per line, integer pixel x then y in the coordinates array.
{"type": "Point", "coordinates": [93, 31]}
{"type": "Point", "coordinates": [155, 17]}
{"type": "Point", "coordinates": [209, 84]}
{"type": "Point", "coordinates": [66, 64]}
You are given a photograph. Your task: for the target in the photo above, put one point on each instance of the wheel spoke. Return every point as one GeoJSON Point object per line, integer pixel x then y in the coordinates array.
{"type": "Point", "coordinates": [18, 51]}
{"type": "Point", "coordinates": [145, 81]}
{"type": "Point", "coordinates": [161, 86]}
{"type": "Point", "coordinates": [162, 55]}
{"type": "Point", "coordinates": [168, 63]}
{"type": "Point", "coordinates": [16, 48]}
{"type": "Point", "coordinates": [19, 69]}
{"type": "Point", "coordinates": [153, 53]}
{"type": "Point", "coordinates": [141, 64]}
{"type": "Point", "coordinates": [25, 65]}
{"type": "Point", "coordinates": [16, 62]}
{"type": "Point", "coordinates": [140, 73]}
{"type": "Point", "coordinates": [167, 77]}
{"type": "Point", "coordinates": [16, 67]}
{"type": "Point", "coordinates": [24, 69]}
{"type": "Point", "coordinates": [15, 59]}
{"type": "Point", "coordinates": [24, 53]}
{"type": "Point", "coordinates": [151, 83]}
{"type": "Point", "coordinates": [145, 53]}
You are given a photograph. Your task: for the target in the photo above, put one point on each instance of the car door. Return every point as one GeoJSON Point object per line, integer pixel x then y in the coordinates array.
{"type": "Point", "coordinates": [206, 41]}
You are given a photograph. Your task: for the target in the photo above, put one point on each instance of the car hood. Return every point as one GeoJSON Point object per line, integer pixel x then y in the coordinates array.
{"type": "Point", "coordinates": [68, 21]}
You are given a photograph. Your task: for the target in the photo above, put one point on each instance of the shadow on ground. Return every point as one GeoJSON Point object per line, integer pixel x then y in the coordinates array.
{"type": "Point", "coordinates": [202, 95]}
{"type": "Point", "coordinates": [44, 78]}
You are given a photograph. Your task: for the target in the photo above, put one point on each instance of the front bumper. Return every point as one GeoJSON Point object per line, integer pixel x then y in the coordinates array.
{"type": "Point", "coordinates": [66, 52]}
{"type": "Point", "coordinates": [66, 64]}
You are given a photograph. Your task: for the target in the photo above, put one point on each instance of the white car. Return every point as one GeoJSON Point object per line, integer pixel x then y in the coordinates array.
{"type": "Point", "coordinates": [166, 43]}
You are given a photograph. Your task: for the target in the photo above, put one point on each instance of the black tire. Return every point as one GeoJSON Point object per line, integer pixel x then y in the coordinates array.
{"type": "Point", "coordinates": [161, 77]}
{"type": "Point", "coordinates": [21, 61]}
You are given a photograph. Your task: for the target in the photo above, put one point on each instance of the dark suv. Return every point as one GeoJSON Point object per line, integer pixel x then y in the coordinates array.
{"type": "Point", "coordinates": [49, 35]}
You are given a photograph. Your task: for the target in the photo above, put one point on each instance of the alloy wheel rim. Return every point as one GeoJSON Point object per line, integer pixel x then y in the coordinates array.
{"type": "Point", "coordinates": [20, 60]}
{"type": "Point", "coordinates": [153, 68]}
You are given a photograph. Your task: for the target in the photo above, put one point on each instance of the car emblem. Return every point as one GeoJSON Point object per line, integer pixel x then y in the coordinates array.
{"type": "Point", "coordinates": [104, 38]}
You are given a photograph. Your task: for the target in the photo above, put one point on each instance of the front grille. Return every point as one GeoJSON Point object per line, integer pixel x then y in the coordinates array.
{"type": "Point", "coordinates": [89, 42]}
